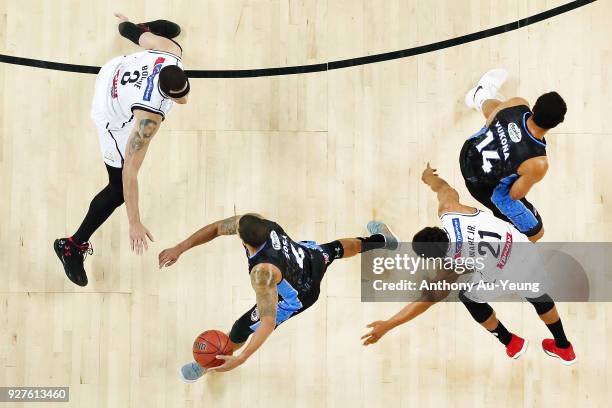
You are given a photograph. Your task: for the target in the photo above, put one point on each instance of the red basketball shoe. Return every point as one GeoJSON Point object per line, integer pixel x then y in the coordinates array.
{"type": "Point", "coordinates": [517, 347]}
{"type": "Point", "coordinates": [566, 355]}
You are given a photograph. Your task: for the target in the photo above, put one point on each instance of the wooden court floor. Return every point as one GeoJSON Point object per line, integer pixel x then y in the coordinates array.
{"type": "Point", "coordinates": [322, 154]}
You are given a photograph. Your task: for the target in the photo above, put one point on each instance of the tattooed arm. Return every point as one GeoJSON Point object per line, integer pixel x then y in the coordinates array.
{"type": "Point", "coordinates": [264, 278]}
{"type": "Point", "coordinates": [228, 226]}
{"type": "Point", "coordinates": [145, 126]}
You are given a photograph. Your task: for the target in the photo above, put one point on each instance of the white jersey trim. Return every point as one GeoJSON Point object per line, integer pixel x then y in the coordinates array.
{"type": "Point", "coordinates": [165, 52]}
{"type": "Point", "coordinates": [462, 214]}
{"type": "Point", "coordinates": [146, 108]}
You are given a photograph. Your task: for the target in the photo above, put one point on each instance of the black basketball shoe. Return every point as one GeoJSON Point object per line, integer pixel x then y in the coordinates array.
{"type": "Point", "coordinates": [163, 28]}
{"type": "Point", "coordinates": [72, 257]}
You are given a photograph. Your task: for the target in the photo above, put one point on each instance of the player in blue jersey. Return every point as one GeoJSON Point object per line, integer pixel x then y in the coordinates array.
{"type": "Point", "coordinates": [285, 275]}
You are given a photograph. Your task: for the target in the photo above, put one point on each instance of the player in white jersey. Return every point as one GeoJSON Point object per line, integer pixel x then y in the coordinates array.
{"type": "Point", "coordinates": [133, 95]}
{"type": "Point", "coordinates": [500, 255]}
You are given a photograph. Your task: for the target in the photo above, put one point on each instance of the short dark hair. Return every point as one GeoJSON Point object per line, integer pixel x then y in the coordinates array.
{"type": "Point", "coordinates": [173, 82]}
{"type": "Point", "coordinates": [549, 110]}
{"type": "Point", "coordinates": [430, 242]}
{"type": "Point", "coordinates": [253, 230]}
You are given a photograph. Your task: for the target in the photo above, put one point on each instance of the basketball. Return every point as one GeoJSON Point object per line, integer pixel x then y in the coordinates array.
{"type": "Point", "coordinates": [208, 345]}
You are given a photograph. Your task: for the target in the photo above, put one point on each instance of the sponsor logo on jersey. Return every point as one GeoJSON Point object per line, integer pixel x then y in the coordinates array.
{"type": "Point", "coordinates": [515, 132]}
{"type": "Point", "coordinates": [275, 241]}
{"type": "Point", "coordinates": [503, 139]}
{"type": "Point", "coordinates": [458, 237]}
{"type": "Point", "coordinates": [255, 315]}
{"type": "Point", "coordinates": [114, 88]}
{"type": "Point", "coordinates": [505, 253]}
{"type": "Point", "coordinates": [157, 66]}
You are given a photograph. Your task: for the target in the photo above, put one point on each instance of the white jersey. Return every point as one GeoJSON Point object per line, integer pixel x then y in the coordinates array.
{"type": "Point", "coordinates": [485, 237]}
{"type": "Point", "coordinates": [134, 85]}
{"type": "Point", "coordinates": [124, 84]}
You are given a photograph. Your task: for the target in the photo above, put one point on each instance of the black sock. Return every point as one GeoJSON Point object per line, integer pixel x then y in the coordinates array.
{"type": "Point", "coordinates": [558, 333]}
{"type": "Point", "coordinates": [102, 206]}
{"type": "Point", "coordinates": [502, 334]}
{"type": "Point", "coordinates": [372, 242]}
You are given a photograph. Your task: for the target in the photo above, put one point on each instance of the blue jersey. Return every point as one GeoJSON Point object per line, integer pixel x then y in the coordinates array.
{"type": "Point", "coordinates": [302, 269]}
{"type": "Point", "coordinates": [497, 151]}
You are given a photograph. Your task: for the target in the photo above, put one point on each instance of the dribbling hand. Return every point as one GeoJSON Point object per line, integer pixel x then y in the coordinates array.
{"type": "Point", "coordinates": [230, 362]}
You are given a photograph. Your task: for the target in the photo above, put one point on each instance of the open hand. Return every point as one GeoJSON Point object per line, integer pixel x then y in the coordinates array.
{"type": "Point", "coordinates": [379, 329]}
{"type": "Point", "coordinates": [138, 237]}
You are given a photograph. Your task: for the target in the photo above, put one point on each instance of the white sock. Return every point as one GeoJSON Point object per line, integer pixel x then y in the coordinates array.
{"type": "Point", "coordinates": [482, 94]}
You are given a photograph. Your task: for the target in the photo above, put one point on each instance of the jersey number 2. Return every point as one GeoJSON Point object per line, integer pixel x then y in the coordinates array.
{"type": "Point", "coordinates": [487, 245]}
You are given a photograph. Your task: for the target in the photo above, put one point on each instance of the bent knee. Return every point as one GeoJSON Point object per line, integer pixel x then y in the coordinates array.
{"type": "Point", "coordinates": [537, 236]}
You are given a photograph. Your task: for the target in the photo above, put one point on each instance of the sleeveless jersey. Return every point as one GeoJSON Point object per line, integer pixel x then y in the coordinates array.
{"type": "Point", "coordinates": [499, 149]}
{"type": "Point", "coordinates": [134, 85]}
{"type": "Point", "coordinates": [300, 268]}
{"type": "Point", "coordinates": [481, 235]}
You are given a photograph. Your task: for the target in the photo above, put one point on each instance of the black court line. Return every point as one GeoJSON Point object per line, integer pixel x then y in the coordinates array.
{"type": "Point", "coordinates": [326, 66]}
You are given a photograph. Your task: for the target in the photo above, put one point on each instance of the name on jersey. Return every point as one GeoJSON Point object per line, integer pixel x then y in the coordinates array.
{"type": "Point", "coordinates": [471, 240]}
{"type": "Point", "coordinates": [503, 139]}
{"type": "Point", "coordinates": [285, 242]}
{"type": "Point", "coordinates": [144, 74]}
{"type": "Point", "coordinates": [157, 66]}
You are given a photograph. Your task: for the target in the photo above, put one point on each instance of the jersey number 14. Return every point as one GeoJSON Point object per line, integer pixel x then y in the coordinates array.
{"type": "Point", "coordinates": [487, 155]}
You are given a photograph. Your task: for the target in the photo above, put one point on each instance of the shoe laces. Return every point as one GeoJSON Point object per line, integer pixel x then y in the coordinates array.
{"type": "Point", "coordinates": [85, 249]}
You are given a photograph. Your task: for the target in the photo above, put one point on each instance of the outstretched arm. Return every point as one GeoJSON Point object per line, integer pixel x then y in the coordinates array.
{"type": "Point", "coordinates": [227, 226]}
{"type": "Point", "coordinates": [448, 198]}
{"type": "Point", "coordinates": [264, 278]}
{"type": "Point", "coordinates": [146, 125]}
{"type": "Point", "coordinates": [410, 311]}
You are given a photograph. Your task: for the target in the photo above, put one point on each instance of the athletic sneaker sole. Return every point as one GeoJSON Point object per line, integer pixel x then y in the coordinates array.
{"type": "Point", "coordinates": [397, 240]}
{"type": "Point", "coordinates": [522, 350]}
{"type": "Point", "coordinates": [182, 377]}
{"type": "Point", "coordinates": [564, 362]}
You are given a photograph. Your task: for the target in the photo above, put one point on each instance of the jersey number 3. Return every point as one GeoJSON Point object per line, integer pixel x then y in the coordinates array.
{"type": "Point", "coordinates": [487, 154]}
{"type": "Point", "coordinates": [130, 77]}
